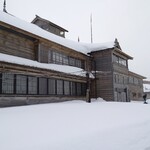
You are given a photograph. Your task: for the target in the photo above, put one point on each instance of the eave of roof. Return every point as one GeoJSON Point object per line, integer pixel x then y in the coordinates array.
{"type": "Point", "coordinates": [137, 75]}
{"type": "Point", "coordinates": [122, 53]}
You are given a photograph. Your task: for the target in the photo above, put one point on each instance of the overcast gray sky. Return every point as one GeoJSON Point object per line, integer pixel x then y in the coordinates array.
{"type": "Point", "coordinates": [127, 20]}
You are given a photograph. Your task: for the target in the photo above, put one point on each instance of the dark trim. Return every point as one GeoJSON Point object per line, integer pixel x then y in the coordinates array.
{"type": "Point", "coordinates": [37, 86]}
{"type": "Point", "coordinates": [15, 83]}
{"type": "Point", "coordinates": [27, 88]}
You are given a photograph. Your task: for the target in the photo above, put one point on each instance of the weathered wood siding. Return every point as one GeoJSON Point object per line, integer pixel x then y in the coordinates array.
{"type": "Point", "coordinates": [104, 86]}
{"type": "Point", "coordinates": [104, 77]}
{"type": "Point", "coordinates": [16, 44]}
{"type": "Point", "coordinates": [135, 86]}
{"type": "Point", "coordinates": [103, 60]}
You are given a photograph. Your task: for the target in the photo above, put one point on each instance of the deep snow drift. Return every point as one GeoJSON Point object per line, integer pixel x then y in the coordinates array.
{"type": "Point", "coordinates": [76, 125]}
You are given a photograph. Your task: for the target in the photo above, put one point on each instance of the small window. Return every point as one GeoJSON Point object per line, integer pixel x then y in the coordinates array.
{"type": "Point", "coordinates": [73, 88]}
{"type": "Point", "coordinates": [51, 86]}
{"type": "Point", "coordinates": [60, 87]}
{"type": "Point", "coordinates": [32, 85]}
{"type": "Point", "coordinates": [79, 90]}
{"type": "Point", "coordinates": [7, 83]}
{"type": "Point", "coordinates": [72, 61]}
{"type": "Point", "coordinates": [66, 88]}
{"type": "Point", "coordinates": [78, 63]}
{"type": "Point", "coordinates": [21, 84]}
{"type": "Point", "coordinates": [43, 86]}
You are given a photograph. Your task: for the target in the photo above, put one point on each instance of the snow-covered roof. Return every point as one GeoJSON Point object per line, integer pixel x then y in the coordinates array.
{"type": "Point", "coordinates": [32, 28]}
{"type": "Point", "coordinates": [27, 62]}
{"type": "Point", "coordinates": [97, 46]}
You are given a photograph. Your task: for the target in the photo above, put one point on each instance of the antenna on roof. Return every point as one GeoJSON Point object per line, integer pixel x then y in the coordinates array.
{"type": "Point", "coordinates": [78, 39]}
{"type": "Point", "coordinates": [91, 29]}
{"type": "Point", "coordinates": [4, 7]}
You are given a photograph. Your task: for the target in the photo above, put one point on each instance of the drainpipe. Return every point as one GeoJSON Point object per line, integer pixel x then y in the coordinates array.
{"type": "Point", "coordinates": [88, 98]}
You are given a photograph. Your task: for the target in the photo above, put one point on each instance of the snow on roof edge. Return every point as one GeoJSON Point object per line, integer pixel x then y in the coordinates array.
{"type": "Point", "coordinates": [84, 48]}
{"type": "Point", "coordinates": [31, 63]}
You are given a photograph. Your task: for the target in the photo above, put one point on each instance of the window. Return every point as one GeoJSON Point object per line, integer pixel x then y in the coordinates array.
{"type": "Point", "coordinates": [60, 87]}
{"type": "Point", "coordinates": [72, 61]}
{"type": "Point", "coordinates": [7, 83]}
{"type": "Point", "coordinates": [43, 86]}
{"type": "Point", "coordinates": [78, 63]}
{"type": "Point", "coordinates": [32, 85]}
{"type": "Point", "coordinates": [21, 84]}
{"type": "Point", "coordinates": [125, 80]}
{"type": "Point", "coordinates": [57, 58]}
{"type": "Point", "coordinates": [73, 88]}
{"type": "Point", "coordinates": [136, 81]}
{"type": "Point", "coordinates": [131, 80]}
{"type": "Point", "coordinates": [50, 60]}
{"type": "Point", "coordinates": [116, 78]}
{"type": "Point", "coordinates": [115, 59]}
{"type": "Point", "coordinates": [65, 60]}
{"type": "Point", "coordinates": [79, 89]}
{"type": "Point", "coordinates": [83, 89]}
{"type": "Point", "coordinates": [66, 88]}
{"type": "Point", "coordinates": [120, 79]}
{"type": "Point", "coordinates": [51, 86]}
{"type": "Point", "coordinates": [122, 61]}
{"type": "Point", "coordinates": [60, 58]}
{"type": "Point", "coordinates": [119, 60]}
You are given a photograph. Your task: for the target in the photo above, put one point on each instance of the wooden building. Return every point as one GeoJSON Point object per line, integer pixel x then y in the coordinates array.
{"type": "Point", "coordinates": [39, 65]}
{"type": "Point", "coordinates": [113, 76]}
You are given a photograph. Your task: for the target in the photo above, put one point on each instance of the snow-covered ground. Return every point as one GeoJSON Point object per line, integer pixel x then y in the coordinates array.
{"type": "Point", "coordinates": [76, 125]}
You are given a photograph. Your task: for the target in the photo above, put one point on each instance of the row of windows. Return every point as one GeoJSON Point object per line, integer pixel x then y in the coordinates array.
{"type": "Point", "coordinates": [122, 79]}
{"type": "Point", "coordinates": [60, 58]}
{"type": "Point", "coordinates": [136, 81]}
{"type": "Point", "coordinates": [48, 55]}
{"type": "Point", "coordinates": [119, 60]}
{"type": "Point", "coordinates": [21, 84]}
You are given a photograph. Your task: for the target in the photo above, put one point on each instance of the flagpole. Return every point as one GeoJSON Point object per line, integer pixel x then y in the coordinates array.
{"type": "Point", "coordinates": [91, 29]}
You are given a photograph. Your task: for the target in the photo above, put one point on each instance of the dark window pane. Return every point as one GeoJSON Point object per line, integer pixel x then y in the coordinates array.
{"type": "Point", "coordinates": [7, 83]}
{"type": "Point", "coordinates": [79, 90]}
{"type": "Point", "coordinates": [71, 61]}
{"type": "Point", "coordinates": [51, 86]}
{"type": "Point", "coordinates": [21, 84]}
{"type": "Point", "coordinates": [83, 89]}
{"type": "Point", "coordinates": [65, 60]}
{"type": "Point", "coordinates": [57, 58]}
{"type": "Point", "coordinates": [66, 88]}
{"type": "Point", "coordinates": [73, 88]}
{"type": "Point", "coordinates": [43, 86]}
{"type": "Point", "coordinates": [32, 85]}
{"type": "Point", "coordinates": [78, 63]}
{"type": "Point", "coordinates": [59, 87]}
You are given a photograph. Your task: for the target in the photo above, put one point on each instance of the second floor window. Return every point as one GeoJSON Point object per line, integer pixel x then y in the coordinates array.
{"type": "Point", "coordinates": [119, 60]}
{"type": "Point", "coordinates": [60, 58]}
